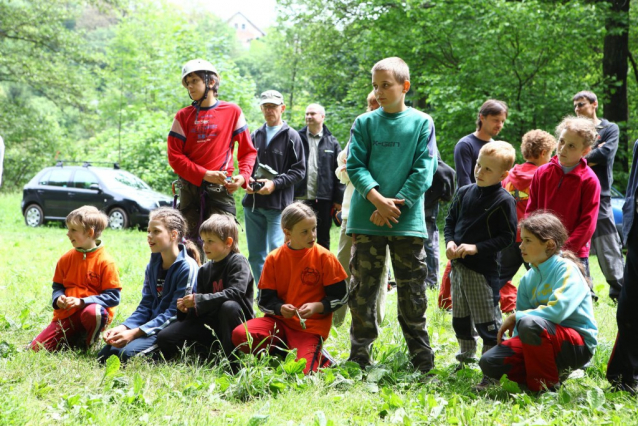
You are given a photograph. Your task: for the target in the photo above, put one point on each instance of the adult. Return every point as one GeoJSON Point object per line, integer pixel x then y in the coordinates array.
{"type": "Point", "coordinates": [279, 165]}
{"type": "Point", "coordinates": [489, 123]}
{"type": "Point", "coordinates": [622, 370]}
{"type": "Point", "coordinates": [605, 241]}
{"type": "Point", "coordinates": [320, 188]}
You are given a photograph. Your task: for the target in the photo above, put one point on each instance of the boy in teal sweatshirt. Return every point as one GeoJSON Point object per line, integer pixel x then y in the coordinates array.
{"type": "Point", "coordinates": [391, 162]}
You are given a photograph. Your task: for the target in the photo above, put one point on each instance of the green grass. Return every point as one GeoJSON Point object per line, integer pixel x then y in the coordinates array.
{"type": "Point", "coordinates": [72, 388]}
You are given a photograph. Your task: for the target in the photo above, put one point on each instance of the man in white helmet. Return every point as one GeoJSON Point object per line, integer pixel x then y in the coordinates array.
{"type": "Point", "coordinates": [200, 148]}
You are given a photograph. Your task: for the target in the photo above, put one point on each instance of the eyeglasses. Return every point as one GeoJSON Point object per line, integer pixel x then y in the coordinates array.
{"type": "Point", "coordinates": [580, 104]}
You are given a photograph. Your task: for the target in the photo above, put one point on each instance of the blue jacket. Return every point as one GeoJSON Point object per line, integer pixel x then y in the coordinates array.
{"type": "Point", "coordinates": [556, 291]}
{"type": "Point", "coordinates": [629, 208]}
{"type": "Point", "coordinates": [153, 314]}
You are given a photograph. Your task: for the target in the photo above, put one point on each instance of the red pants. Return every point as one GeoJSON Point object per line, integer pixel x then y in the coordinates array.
{"type": "Point", "coordinates": [90, 320]}
{"type": "Point", "coordinates": [541, 351]}
{"type": "Point", "coordinates": [269, 334]}
{"type": "Point", "coordinates": [508, 293]}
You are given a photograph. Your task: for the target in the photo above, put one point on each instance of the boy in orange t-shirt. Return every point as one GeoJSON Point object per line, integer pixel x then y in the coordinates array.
{"type": "Point", "coordinates": [301, 285]}
{"type": "Point", "coordinates": [86, 285]}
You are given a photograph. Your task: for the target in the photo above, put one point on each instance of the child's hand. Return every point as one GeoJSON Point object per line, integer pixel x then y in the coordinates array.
{"type": "Point", "coordinates": [108, 334]}
{"type": "Point", "coordinates": [215, 176]}
{"type": "Point", "coordinates": [288, 310]}
{"type": "Point", "coordinates": [466, 250]}
{"type": "Point", "coordinates": [307, 310]}
{"type": "Point", "coordinates": [389, 209]}
{"type": "Point", "coordinates": [73, 302]}
{"type": "Point", "coordinates": [377, 219]}
{"type": "Point", "coordinates": [61, 302]}
{"type": "Point", "coordinates": [186, 302]}
{"type": "Point", "coordinates": [450, 251]}
{"type": "Point", "coordinates": [233, 186]}
{"type": "Point", "coordinates": [121, 338]}
{"type": "Point", "coordinates": [508, 325]}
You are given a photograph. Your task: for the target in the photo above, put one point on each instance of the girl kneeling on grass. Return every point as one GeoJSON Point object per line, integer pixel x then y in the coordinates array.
{"type": "Point", "coordinates": [554, 327]}
{"type": "Point", "coordinates": [301, 285]}
{"type": "Point", "coordinates": [169, 273]}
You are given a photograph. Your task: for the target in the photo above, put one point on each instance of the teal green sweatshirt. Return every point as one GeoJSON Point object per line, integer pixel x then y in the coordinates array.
{"type": "Point", "coordinates": [556, 291]}
{"type": "Point", "coordinates": [396, 154]}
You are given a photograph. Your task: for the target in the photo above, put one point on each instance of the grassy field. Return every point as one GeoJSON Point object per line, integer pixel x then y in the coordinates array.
{"type": "Point", "coordinates": [72, 388]}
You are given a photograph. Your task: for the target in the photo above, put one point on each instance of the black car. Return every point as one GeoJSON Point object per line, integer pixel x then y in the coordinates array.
{"type": "Point", "coordinates": [56, 191]}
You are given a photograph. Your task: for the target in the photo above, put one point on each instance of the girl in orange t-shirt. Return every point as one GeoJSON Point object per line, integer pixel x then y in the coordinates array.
{"type": "Point", "coordinates": [301, 285]}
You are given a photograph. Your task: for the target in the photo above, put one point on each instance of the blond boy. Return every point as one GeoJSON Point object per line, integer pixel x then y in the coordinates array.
{"type": "Point", "coordinates": [480, 223]}
{"type": "Point", "coordinates": [391, 162]}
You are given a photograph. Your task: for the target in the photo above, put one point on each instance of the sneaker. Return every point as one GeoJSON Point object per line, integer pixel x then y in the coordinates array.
{"type": "Point", "coordinates": [485, 383]}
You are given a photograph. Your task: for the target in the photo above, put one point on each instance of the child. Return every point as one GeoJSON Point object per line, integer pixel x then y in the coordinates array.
{"type": "Point", "coordinates": [622, 370]}
{"type": "Point", "coordinates": [554, 327]}
{"type": "Point", "coordinates": [86, 285]}
{"type": "Point", "coordinates": [301, 284]}
{"type": "Point", "coordinates": [223, 299]}
{"type": "Point", "coordinates": [200, 148]}
{"type": "Point", "coordinates": [391, 162]}
{"type": "Point", "coordinates": [567, 187]}
{"type": "Point", "coordinates": [168, 274]}
{"type": "Point", "coordinates": [481, 222]}
{"type": "Point", "coordinates": [345, 242]}
{"type": "Point", "coordinates": [537, 148]}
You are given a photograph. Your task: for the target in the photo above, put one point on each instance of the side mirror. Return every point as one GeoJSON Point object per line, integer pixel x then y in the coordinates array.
{"type": "Point", "coordinates": [95, 187]}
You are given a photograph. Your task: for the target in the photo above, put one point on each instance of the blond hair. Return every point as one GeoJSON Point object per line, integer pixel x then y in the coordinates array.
{"type": "Point", "coordinates": [535, 142]}
{"type": "Point", "coordinates": [396, 66]}
{"type": "Point", "coordinates": [89, 217]}
{"type": "Point", "coordinates": [223, 227]}
{"type": "Point", "coordinates": [583, 127]}
{"type": "Point", "coordinates": [372, 102]}
{"type": "Point", "coordinates": [295, 213]}
{"type": "Point", "coordinates": [503, 151]}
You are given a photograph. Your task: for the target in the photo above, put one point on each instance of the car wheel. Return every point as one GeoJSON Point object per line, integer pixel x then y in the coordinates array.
{"type": "Point", "coordinates": [118, 219]}
{"type": "Point", "coordinates": [33, 215]}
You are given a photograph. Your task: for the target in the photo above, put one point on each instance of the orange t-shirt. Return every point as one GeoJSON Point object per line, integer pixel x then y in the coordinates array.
{"type": "Point", "coordinates": [299, 276]}
{"type": "Point", "coordinates": [84, 277]}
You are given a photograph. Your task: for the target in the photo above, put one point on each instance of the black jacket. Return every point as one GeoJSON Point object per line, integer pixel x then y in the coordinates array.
{"type": "Point", "coordinates": [285, 154]}
{"type": "Point", "coordinates": [443, 186]}
{"type": "Point", "coordinates": [604, 156]}
{"type": "Point", "coordinates": [486, 217]}
{"type": "Point", "coordinates": [219, 282]}
{"type": "Point", "coordinates": [328, 186]}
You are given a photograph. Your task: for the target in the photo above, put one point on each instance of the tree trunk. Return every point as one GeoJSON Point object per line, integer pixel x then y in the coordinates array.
{"type": "Point", "coordinates": [615, 64]}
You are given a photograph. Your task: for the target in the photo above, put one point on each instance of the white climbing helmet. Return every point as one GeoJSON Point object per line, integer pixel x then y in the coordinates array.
{"type": "Point", "coordinates": [197, 65]}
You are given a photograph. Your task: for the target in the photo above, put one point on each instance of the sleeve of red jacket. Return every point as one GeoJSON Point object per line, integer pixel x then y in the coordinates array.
{"type": "Point", "coordinates": [589, 214]}
{"type": "Point", "coordinates": [181, 164]}
{"type": "Point", "coordinates": [246, 152]}
{"type": "Point", "coordinates": [532, 201]}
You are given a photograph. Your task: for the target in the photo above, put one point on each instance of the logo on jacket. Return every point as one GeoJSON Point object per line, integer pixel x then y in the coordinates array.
{"type": "Point", "coordinates": [218, 286]}
{"type": "Point", "coordinates": [310, 276]}
{"type": "Point", "coordinates": [386, 144]}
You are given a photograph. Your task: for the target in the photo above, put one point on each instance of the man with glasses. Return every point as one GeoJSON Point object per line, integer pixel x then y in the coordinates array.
{"type": "Point", "coordinates": [280, 164]}
{"type": "Point", "coordinates": [605, 241]}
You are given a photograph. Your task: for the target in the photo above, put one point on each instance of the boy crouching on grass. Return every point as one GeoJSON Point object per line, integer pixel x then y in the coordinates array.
{"type": "Point", "coordinates": [480, 223]}
{"type": "Point", "coordinates": [222, 300]}
{"type": "Point", "coordinates": [391, 162]}
{"type": "Point", "coordinates": [86, 285]}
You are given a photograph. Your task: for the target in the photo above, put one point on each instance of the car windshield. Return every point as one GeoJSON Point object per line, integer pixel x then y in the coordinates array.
{"type": "Point", "coordinates": [120, 178]}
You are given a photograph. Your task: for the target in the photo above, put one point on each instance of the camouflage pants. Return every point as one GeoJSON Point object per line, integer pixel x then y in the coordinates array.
{"type": "Point", "coordinates": [410, 270]}
{"type": "Point", "coordinates": [216, 201]}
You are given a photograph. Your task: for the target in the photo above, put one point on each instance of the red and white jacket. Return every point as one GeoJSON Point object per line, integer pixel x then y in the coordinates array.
{"type": "Point", "coordinates": [194, 148]}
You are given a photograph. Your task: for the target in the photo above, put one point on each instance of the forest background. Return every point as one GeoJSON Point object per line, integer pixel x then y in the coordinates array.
{"type": "Point", "coordinates": [100, 80]}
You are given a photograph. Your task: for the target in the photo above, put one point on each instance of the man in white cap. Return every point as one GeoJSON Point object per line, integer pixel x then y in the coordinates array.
{"type": "Point", "coordinates": [280, 164]}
